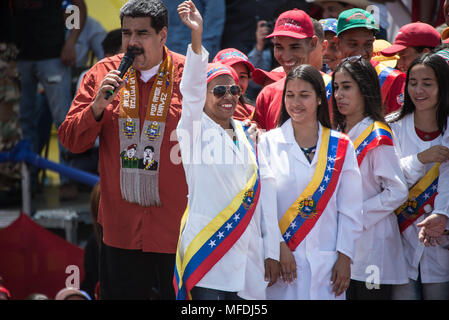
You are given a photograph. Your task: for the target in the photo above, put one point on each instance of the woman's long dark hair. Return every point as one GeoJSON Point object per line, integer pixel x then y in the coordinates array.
{"type": "Point", "coordinates": [441, 70]}
{"type": "Point", "coordinates": [366, 78]}
{"type": "Point", "coordinates": [308, 73]}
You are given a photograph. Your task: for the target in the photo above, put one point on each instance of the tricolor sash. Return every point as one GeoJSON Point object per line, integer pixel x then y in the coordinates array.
{"type": "Point", "coordinates": [302, 215]}
{"type": "Point", "coordinates": [327, 84]}
{"type": "Point", "coordinates": [376, 134]}
{"type": "Point", "coordinates": [214, 240]}
{"type": "Point", "coordinates": [421, 194]}
{"type": "Point", "coordinates": [387, 77]}
{"type": "Point", "coordinates": [140, 150]}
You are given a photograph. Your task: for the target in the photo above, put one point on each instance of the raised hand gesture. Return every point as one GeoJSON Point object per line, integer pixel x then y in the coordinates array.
{"type": "Point", "coordinates": [190, 16]}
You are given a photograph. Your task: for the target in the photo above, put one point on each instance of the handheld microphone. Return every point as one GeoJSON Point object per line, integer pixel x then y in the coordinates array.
{"type": "Point", "coordinates": [126, 62]}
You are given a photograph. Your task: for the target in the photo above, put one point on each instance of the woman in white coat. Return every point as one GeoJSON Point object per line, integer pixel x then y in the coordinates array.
{"type": "Point", "coordinates": [318, 190]}
{"type": "Point", "coordinates": [419, 129]}
{"type": "Point", "coordinates": [379, 260]}
{"type": "Point", "coordinates": [226, 238]}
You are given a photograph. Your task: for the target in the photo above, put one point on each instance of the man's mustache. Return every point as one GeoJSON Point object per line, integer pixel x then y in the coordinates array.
{"type": "Point", "coordinates": [136, 50]}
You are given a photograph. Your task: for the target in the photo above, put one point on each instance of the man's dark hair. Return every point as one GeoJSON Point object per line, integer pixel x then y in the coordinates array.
{"type": "Point", "coordinates": [153, 9]}
{"type": "Point", "coordinates": [112, 43]}
{"type": "Point", "coordinates": [441, 70]}
{"type": "Point", "coordinates": [421, 49]}
{"type": "Point", "coordinates": [366, 78]}
{"type": "Point", "coordinates": [318, 29]}
{"type": "Point", "coordinates": [308, 73]}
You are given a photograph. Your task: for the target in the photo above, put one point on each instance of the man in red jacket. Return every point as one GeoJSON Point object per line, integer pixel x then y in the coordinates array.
{"type": "Point", "coordinates": [294, 40]}
{"type": "Point", "coordinates": [140, 210]}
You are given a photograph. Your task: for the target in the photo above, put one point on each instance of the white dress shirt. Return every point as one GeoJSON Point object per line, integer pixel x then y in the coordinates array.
{"type": "Point", "coordinates": [433, 262]}
{"type": "Point", "coordinates": [384, 190]}
{"type": "Point", "coordinates": [337, 228]}
{"type": "Point", "coordinates": [216, 171]}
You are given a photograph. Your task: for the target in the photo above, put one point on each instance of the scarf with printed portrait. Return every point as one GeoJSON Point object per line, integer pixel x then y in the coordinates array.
{"type": "Point", "coordinates": [140, 150]}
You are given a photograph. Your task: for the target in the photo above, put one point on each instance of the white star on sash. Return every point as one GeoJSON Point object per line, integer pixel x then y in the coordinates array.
{"type": "Point", "coordinates": [322, 189]}
{"type": "Point", "coordinates": [220, 234]}
{"type": "Point", "coordinates": [330, 159]}
{"type": "Point", "coordinates": [434, 187]}
{"type": "Point", "coordinates": [365, 143]}
{"type": "Point", "coordinates": [326, 179]}
{"type": "Point", "coordinates": [288, 235]}
{"type": "Point", "coordinates": [426, 196]}
{"type": "Point", "coordinates": [212, 243]}
{"type": "Point", "coordinates": [237, 217]}
{"type": "Point", "coordinates": [293, 225]}
{"type": "Point", "coordinates": [329, 168]}
{"type": "Point", "coordinates": [228, 226]}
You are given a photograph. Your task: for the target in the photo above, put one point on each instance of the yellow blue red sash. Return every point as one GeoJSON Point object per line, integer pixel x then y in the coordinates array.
{"type": "Point", "coordinates": [212, 242]}
{"type": "Point", "coordinates": [327, 84]}
{"type": "Point", "coordinates": [302, 215]}
{"type": "Point", "coordinates": [386, 76]}
{"type": "Point", "coordinates": [376, 134]}
{"type": "Point", "coordinates": [421, 194]}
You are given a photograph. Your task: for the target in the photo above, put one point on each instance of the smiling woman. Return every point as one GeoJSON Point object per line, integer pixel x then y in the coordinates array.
{"type": "Point", "coordinates": [318, 192]}
{"type": "Point", "coordinates": [422, 143]}
{"type": "Point", "coordinates": [222, 252]}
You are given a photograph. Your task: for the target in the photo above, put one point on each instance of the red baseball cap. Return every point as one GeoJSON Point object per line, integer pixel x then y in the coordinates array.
{"type": "Point", "coordinates": [216, 69]}
{"type": "Point", "coordinates": [416, 34]}
{"type": "Point", "coordinates": [231, 56]}
{"type": "Point", "coordinates": [259, 75]}
{"type": "Point", "coordinates": [293, 23]}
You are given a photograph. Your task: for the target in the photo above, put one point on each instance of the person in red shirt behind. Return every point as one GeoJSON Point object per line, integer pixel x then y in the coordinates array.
{"type": "Point", "coordinates": [244, 69]}
{"type": "Point", "coordinates": [356, 30]}
{"type": "Point", "coordinates": [413, 40]}
{"type": "Point", "coordinates": [140, 206]}
{"type": "Point", "coordinates": [294, 40]}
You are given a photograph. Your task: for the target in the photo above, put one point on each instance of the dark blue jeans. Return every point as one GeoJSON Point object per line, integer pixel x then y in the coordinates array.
{"type": "Point", "coordinates": [56, 80]}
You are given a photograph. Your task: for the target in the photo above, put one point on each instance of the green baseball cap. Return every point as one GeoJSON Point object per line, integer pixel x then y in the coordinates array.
{"type": "Point", "coordinates": [356, 18]}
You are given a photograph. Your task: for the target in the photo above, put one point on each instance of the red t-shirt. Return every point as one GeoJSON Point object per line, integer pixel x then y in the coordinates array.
{"type": "Point", "coordinates": [127, 225]}
{"type": "Point", "coordinates": [427, 136]}
{"type": "Point", "coordinates": [243, 112]}
{"type": "Point", "coordinates": [269, 101]}
{"type": "Point", "coordinates": [268, 105]}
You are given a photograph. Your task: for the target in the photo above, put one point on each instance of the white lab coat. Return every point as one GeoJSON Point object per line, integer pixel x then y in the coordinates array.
{"type": "Point", "coordinates": [441, 203]}
{"type": "Point", "coordinates": [433, 262]}
{"type": "Point", "coordinates": [336, 230]}
{"type": "Point", "coordinates": [216, 171]}
{"type": "Point", "coordinates": [384, 190]}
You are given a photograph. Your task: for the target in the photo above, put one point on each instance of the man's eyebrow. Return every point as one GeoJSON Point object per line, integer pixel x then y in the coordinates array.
{"type": "Point", "coordinates": [138, 30]}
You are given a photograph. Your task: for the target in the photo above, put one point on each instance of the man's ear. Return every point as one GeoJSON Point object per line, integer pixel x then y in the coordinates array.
{"type": "Point", "coordinates": [337, 42]}
{"type": "Point", "coordinates": [163, 35]}
{"type": "Point", "coordinates": [314, 42]}
{"type": "Point", "coordinates": [325, 44]}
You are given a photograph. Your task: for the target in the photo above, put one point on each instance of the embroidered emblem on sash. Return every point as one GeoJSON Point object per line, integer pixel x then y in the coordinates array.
{"type": "Point", "coordinates": [248, 199]}
{"type": "Point", "coordinates": [307, 208]}
{"type": "Point", "coordinates": [409, 209]}
{"type": "Point", "coordinates": [153, 131]}
{"type": "Point", "coordinates": [129, 128]}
